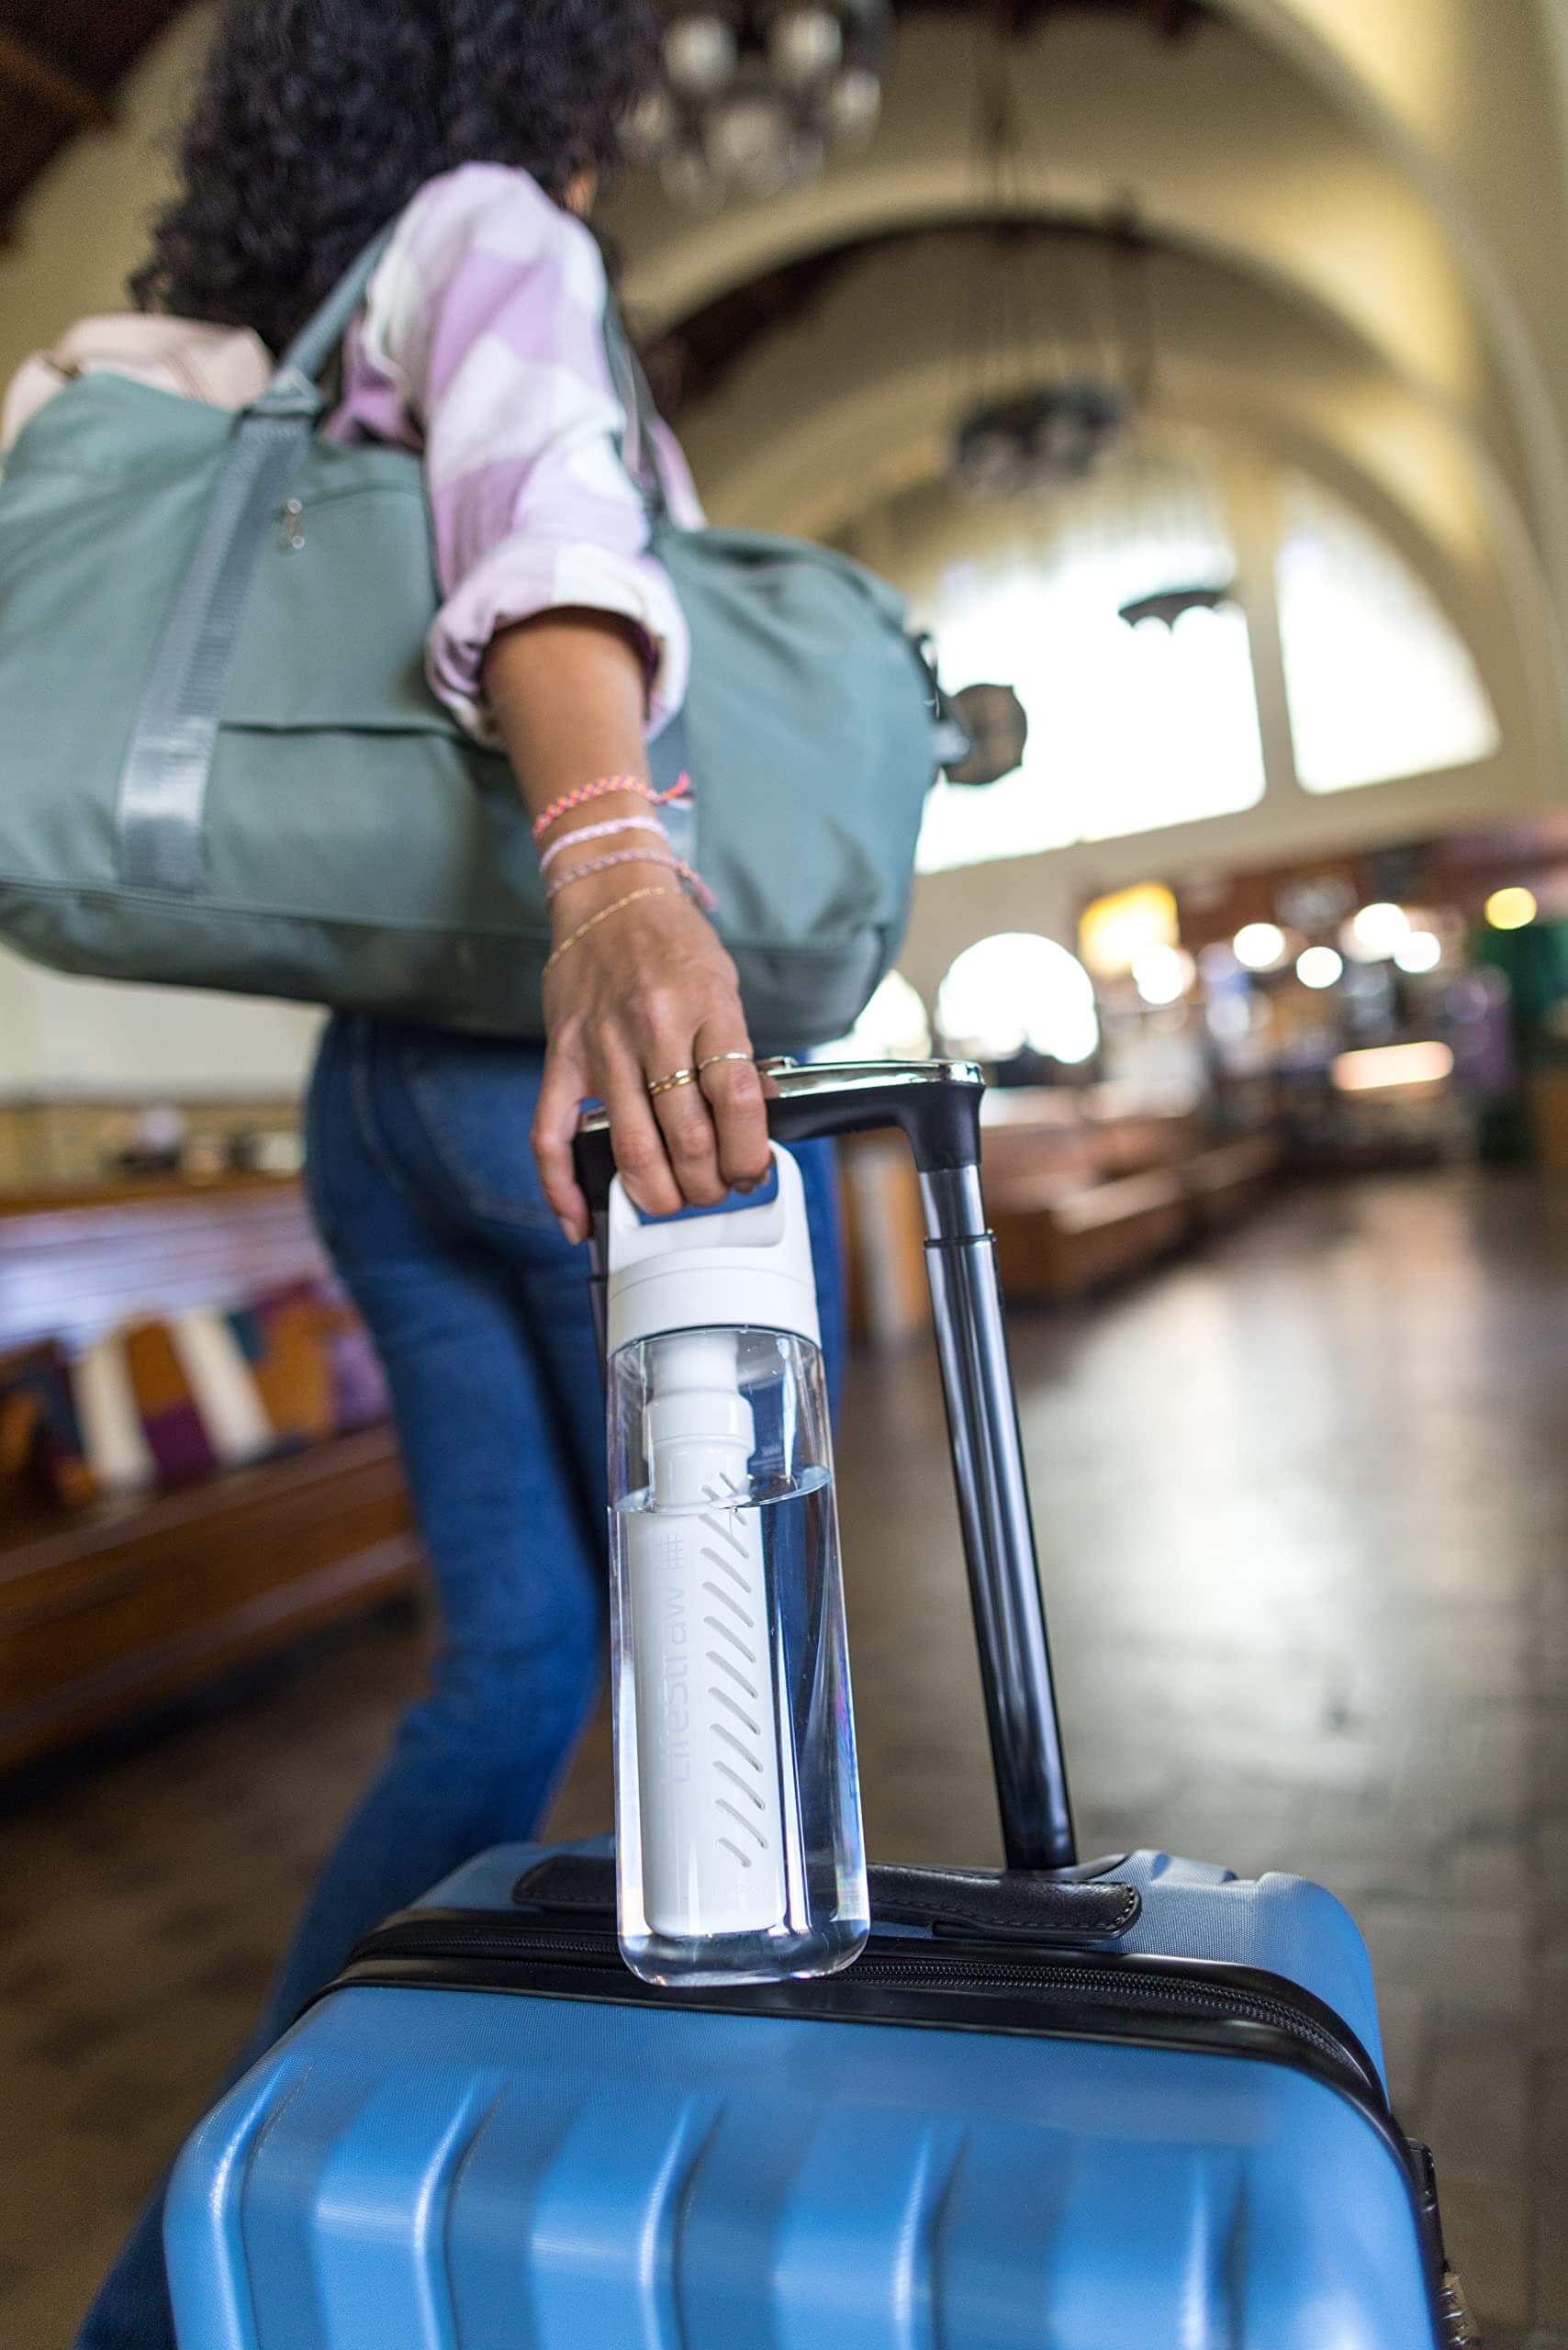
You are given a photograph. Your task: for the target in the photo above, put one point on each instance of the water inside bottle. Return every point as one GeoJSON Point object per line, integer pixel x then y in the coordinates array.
{"type": "Point", "coordinates": [738, 1730]}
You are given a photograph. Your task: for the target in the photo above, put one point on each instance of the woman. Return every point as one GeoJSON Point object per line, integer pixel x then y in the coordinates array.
{"type": "Point", "coordinates": [485, 124]}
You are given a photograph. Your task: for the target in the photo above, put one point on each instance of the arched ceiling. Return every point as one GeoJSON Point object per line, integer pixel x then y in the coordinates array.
{"type": "Point", "coordinates": [892, 311]}
{"type": "Point", "coordinates": [1466, 99]}
{"type": "Point", "coordinates": [1361, 209]}
{"type": "Point", "coordinates": [1223, 144]}
{"type": "Point", "coordinates": [849, 439]}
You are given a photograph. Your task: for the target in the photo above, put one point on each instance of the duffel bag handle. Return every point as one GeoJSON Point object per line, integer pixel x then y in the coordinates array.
{"type": "Point", "coordinates": [161, 806]}
{"type": "Point", "coordinates": [319, 338]}
{"type": "Point", "coordinates": [936, 1105]}
{"type": "Point", "coordinates": [639, 444]}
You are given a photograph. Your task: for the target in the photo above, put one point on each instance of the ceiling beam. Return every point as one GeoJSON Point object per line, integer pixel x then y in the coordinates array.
{"type": "Point", "coordinates": [32, 76]}
{"type": "Point", "coordinates": [1021, 19]}
{"type": "Point", "coordinates": [693, 357]}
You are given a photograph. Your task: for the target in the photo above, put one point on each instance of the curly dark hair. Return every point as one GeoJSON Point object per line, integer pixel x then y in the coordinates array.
{"type": "Point", "coordinates": [317, 119]}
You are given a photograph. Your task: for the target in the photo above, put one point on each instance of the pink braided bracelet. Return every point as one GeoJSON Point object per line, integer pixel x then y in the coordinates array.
{"type": "Point", "coordinates": [599, 788]}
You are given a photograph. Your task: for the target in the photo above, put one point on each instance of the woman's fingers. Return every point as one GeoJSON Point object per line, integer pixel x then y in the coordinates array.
{"type": "Point", "coordinates": [635, 1137]}
{"type": "Point", "coordinates": [688, 1138]}
{"type": "Point", "coordinates": [681, 1110]}
{"type": "Point", "coordinates": [561, 1093]}
{"type": "Point", "coordinates": [734, 1093]}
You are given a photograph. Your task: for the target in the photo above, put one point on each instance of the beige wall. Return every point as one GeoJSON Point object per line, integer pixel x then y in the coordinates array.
{"type": "Point", "coordinates": [80, 232]}
{"type": "Point", "coordinates": [83, 227]}
{"type": "Point", "coordinates": [64, 1038]}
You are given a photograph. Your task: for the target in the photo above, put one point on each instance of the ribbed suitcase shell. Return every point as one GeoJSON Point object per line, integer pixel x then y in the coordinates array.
{"type": "Point", "coordinates": [425, 2169]}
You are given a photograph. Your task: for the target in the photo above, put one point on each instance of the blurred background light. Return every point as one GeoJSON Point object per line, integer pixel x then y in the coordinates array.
{"type": "Point", "coordinates": [1014, 991]}
{"type": "Point", "coordinates": [699, 54]}
{"type": "Point", "coordinates": [1386, 1066]}
{"type": "Point", "coordinates": [1510, 908]}
{"type": "Point", "coordinates": [1374, 933]}
{"type": "Point", "coordinates": [1319, 967]}
{"type": "Point", "coordinates": [1114, 930]}
{"type": "Point", "coordinates": [1260, 945]}
{"type": "Point", "coordinates": [1419, 950]}
{"type": "Point", "coordinates": [1162, 974]}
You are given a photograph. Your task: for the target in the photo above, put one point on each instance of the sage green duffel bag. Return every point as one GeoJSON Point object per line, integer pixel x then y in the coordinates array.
{"type": "Point", "coordinates": [221, 765]}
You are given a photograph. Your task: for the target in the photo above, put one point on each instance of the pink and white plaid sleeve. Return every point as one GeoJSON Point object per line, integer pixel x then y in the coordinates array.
{"type": "Point", "coordinates": [483, 342]}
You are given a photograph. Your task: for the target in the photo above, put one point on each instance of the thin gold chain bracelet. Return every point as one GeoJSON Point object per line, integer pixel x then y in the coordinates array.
{"type": "Point", "coordinates": [654, 889]}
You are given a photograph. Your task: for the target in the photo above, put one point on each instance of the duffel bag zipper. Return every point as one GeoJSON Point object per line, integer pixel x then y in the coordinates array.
{"type": "Point", "coordinates": [411, 1938]}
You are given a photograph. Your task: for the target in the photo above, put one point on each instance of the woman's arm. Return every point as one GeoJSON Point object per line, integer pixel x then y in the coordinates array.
{"type": "Point", "coordinates": [648, 990]}
{"type": "Point", "coordinates": [560, 637]}
{"type": "Point", "coordinates": [484, 331]}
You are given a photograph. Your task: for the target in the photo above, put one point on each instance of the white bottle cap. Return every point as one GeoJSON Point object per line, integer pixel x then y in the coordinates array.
{"type": "Point", "coordinates": [748, 1266]}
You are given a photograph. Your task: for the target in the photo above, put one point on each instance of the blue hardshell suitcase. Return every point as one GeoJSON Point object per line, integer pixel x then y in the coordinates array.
{"type": "Point", "coordinates": [1137, 2098]}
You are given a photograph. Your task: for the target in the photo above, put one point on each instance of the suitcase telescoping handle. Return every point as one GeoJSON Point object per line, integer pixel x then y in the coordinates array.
{"type": "Point", "coordinates": [937, 1104]}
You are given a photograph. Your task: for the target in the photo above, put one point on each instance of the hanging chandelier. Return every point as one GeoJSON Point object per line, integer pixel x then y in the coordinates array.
{"type": "Point", "coordinates": [1053, 347]}
{"type": "Point", "coordinates": [1165, 499]}
{"type": "Point", "coordinates": [1019, 446]}
{"type": "Point", "coordinates": [754, 94]}
{"type": "Point", "coordinates": [1169, 605]}
{"type": "Point", "coordinates": [1091, 372]}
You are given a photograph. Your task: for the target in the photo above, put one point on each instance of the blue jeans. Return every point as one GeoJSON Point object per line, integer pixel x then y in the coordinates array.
{"type": "Point", "coordinates": [427, 1196]}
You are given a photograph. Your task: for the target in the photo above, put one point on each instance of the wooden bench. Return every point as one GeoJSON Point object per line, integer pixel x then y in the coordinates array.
{"type": "Point", "coordinates": [1082, 1189]}
{"type": "Point", "coordinates": [1227, 1182]}
{"type": "Point", "coordinates": [108, 1610]}
{"type": "Point", "coordinates": [1069, 1240]}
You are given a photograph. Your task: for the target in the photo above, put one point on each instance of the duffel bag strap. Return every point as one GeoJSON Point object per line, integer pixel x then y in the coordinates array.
{"type": "Point", "coordinates": [639, 451]}
{"type": "Point", "coordinates": [319, 337]}
{"type": "Point", "coordinates": [163, 786]}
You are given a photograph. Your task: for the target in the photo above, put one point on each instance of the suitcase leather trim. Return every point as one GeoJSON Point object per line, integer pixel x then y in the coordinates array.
{"type": "Point", "coordinates": [1083, 1910]}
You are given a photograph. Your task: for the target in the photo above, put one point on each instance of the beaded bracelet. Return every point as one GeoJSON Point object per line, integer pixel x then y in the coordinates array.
{"type": "Point", "coordinates": [654, 889]}
{"type": "Point", "coordinates": [604, 865]}
{"type": "Point", "coordinates": [692, 881]}
{"type": "Point", "coordinates": [598, 833]}
{"type": "Point", "coordinates": [598, 789]}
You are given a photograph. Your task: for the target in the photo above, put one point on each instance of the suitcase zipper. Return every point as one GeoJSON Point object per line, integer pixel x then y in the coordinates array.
{"type": "Point", "coordinates": [1123, 1987]}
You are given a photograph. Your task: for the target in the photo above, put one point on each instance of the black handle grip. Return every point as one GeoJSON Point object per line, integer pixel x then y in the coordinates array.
{"type": "Point", "coordinates": [935, 1103]}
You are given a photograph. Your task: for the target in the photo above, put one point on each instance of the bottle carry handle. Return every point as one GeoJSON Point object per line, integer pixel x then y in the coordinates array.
{"type": "Point", "coordinates": [936, 1106]}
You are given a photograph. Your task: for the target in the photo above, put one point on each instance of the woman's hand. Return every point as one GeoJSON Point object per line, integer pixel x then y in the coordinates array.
{"type": "Point", "coordinates": [647, 991]}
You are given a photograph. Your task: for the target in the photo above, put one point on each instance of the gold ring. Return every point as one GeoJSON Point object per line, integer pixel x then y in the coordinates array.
{"type": "Point", "coordinates": [714, 1058]}
{"type": "Point", "coordinates": [668, 1084]}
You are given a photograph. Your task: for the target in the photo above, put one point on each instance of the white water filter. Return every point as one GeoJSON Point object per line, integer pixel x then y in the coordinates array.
{"type": "Point", "coordinates": [737, 1812]}
{"type": "Point", "coordinates": [716, 1833]}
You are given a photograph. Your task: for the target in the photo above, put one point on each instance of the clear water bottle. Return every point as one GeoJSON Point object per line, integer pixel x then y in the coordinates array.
{"type": "Point", "coordinates": [738, 1835]}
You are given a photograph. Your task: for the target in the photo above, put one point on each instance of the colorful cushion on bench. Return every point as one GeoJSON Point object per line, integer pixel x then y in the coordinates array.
{"type": "Point", "coordinates": [40, 1440]}
{"type": "Point", "coordinates": [360, 1399]}
{"type": "Point", "coordinates": [166, 1402]}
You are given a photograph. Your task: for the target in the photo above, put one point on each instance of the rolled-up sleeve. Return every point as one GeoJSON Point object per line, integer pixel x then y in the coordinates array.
{"type": "Point", "coordinates": [487, 317]}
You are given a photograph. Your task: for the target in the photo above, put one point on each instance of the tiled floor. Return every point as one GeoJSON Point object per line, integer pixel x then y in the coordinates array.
{"type": "Point", "coordinates": [1304, 1511]}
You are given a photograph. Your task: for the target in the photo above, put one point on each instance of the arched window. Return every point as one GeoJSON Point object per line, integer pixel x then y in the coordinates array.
{"type": "Point", "coordinates": [1379, 682]}
{"type": "Point", "coordinates": [1130, 728]}
{"type": "Point", "coordinates": [1018, 990]}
